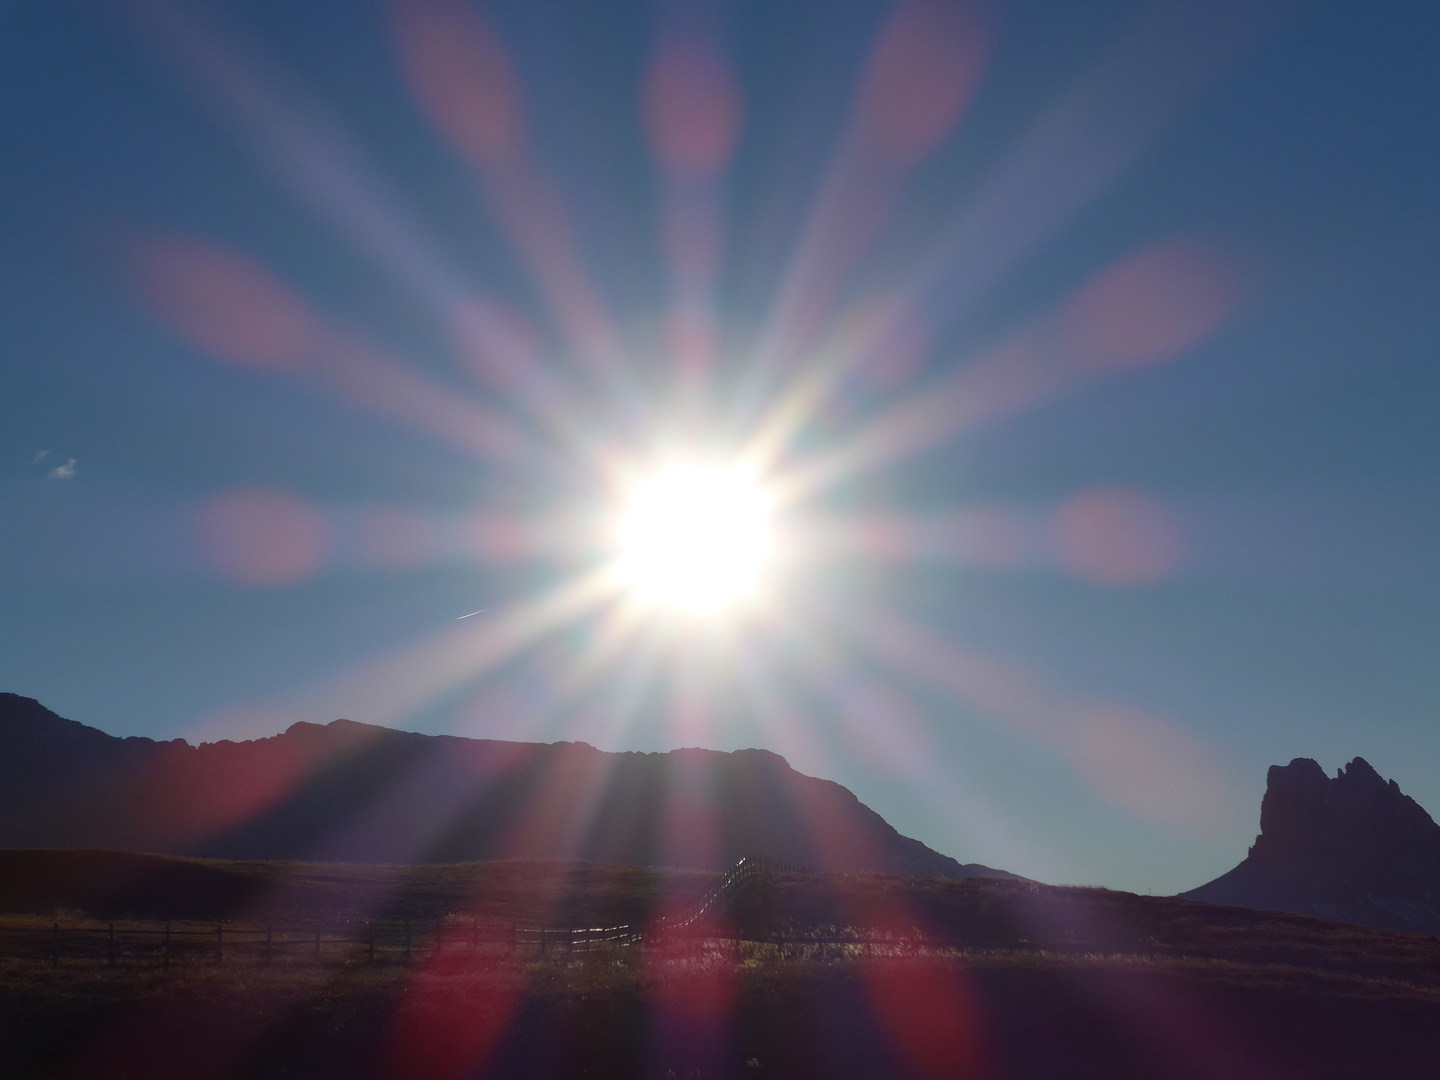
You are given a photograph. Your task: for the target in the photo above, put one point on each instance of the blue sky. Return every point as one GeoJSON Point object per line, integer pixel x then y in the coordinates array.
{"type": "Point", "coordinates": [1150, 500]}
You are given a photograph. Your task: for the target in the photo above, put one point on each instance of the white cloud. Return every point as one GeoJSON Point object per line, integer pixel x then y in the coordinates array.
{"type": "Point", "coordinates": [63, 472]}
{"type": "Point", "coordinates": [40, 455]}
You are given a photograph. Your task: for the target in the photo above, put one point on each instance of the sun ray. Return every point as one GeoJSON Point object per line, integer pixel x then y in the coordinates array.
{"type": "Point", "coordinates": [1131, 757]}
{"type": "Point", "coordinates": [1145, 309]}
{"type": "Point", "coordinates": [691, 108]}
{"type": "Point", "coordinates": [308, 147]}
{"type": "Point", "coordinates": [240, 312]}
{"type": "Point", "coordinates": [392, 687]}
{"type": "Point", "coordinates": [1164, 60]}
{"type": "Point", "coordinates": [463, 80]}
{"type": "Point", "coordinates": [319, 162]}
{"type": "Point", "coordinates": [1029, 196]}
{"type": "Point", "coordinates": [916, 83]}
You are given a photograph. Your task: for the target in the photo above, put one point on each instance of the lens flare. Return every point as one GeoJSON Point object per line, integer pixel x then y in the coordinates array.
{"type": "Point", "coordinates": [695, 538]}
{"type": "Point", "coordinates": [1114, 537]}
{"type": "Point", "coordinates": [264, 538]}
{"type": "Point", "coordinates": [566, 382]}
{"type": "Point", "coordinates": [691, 108]}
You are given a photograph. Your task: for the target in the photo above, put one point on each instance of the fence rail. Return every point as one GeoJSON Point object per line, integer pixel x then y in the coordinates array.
{"type": "Point", "coordinates": [393, 938]}
{"type": "Point", "coordinates": [729, 884]}
{"type": "Point", "coordinates": [230, 944]}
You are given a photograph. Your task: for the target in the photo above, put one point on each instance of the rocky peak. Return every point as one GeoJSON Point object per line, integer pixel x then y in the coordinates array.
{"type": "Point", "coordinates": [1354, 815]}
{"type": "Point", "coordinates": [1351, 846]}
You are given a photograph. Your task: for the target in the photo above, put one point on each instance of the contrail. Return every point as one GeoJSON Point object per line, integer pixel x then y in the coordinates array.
{"type": "Point", "coordinates": [472, 613]}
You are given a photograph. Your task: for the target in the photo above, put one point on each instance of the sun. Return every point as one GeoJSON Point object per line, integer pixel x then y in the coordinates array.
{"type": "Point", "coordinates": [695, 538]}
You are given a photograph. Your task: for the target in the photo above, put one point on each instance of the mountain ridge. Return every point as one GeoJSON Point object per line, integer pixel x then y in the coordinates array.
{"type": "Point", "coordinates": [355, 792]}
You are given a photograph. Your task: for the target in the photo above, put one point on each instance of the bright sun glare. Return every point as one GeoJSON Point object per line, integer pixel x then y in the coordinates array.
{"type": "Point", "coordinates": [695, 537]}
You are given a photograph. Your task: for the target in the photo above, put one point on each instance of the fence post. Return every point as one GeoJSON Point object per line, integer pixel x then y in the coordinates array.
{"type": "Point", "coordinates": [167, 944]}
{"type": "Point", "coordinates": [55, 946]}
{"type": "Point", "coordinates": [110, 951]}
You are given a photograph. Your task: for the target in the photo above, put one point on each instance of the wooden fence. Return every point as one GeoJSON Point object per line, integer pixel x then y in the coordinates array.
{"type": "Point", "coordinates": [402, 939]}
{"type": "Point", "coordinates": [226, 942]}
{"type": "Point", "coordinates": [724, 890]}
{"type": "Point", "coordinates": [117, 945]}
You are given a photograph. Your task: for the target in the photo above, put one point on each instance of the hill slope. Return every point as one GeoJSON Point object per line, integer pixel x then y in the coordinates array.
{"type": "Point", "coordinates": [357, 793]}
{"type": "Point", "coordinates": [1350, 847]}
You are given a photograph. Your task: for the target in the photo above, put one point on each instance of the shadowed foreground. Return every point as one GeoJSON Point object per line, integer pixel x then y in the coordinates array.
{"type": "Point", "coordinates": [802, 976]}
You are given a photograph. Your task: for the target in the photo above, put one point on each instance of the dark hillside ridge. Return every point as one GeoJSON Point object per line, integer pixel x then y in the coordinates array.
{"type": "Point", "coordinates": [72, 884]}
{"type": "Point", "coordinates": [348, 792]}
{"type": "Point", "coordinates": [1350, 847]}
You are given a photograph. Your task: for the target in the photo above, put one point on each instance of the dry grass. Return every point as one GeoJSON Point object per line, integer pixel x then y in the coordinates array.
{"type": "Point", "coordinates": [1041, 982]}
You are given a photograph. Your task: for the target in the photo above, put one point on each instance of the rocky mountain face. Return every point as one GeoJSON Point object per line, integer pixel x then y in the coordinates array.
{"type": "Point", "coordinates": [1350, 847]}
{"type": "Point", "coordinates": [351, 792]}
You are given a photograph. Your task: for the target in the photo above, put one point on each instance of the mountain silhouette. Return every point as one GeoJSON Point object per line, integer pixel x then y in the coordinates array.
{"type": "Point", "coordinates": [1351, 847]}
{"type": "Point", "coordinates": [350, 792]}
